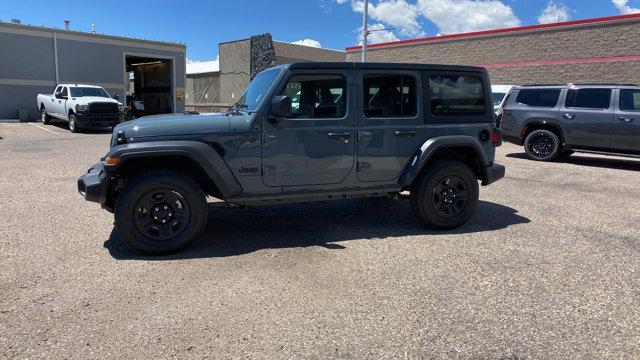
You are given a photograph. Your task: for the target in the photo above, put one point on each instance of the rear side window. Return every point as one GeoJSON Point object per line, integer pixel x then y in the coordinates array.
{"type": "Point", "coordinates": [456, 95]}
{"type": "Point", "coordinates": [538, 97]}
{"type": "Point", "coordinates": [588, 98]}
{"type": "Point", "coordinates": [390, 96]}
{"type": "Point", "coordinates": [317, 96]}
{"type": "Point", "coordinates": [630, 100]}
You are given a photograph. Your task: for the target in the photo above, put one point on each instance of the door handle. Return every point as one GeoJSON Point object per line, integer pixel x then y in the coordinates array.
{"type": "Point", "coordinates": [364, 134]}
{"type": "Point", "coordinates": [569, 116]}
{"type": "Point", "coordinates": [340, 136]}
{"type": "Point", "coordinates": [267, 137]}
{"type": "Point", "coordinates": [625, 119]}
{"type": "Point", "coordinates": [405, 133]}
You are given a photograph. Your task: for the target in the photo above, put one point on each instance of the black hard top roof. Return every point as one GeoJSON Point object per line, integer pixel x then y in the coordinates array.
{"type": "Point", "coordinates": [380, 66]}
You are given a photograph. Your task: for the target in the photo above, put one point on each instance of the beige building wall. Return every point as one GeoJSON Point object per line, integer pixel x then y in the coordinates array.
{"type": "Point", "coordinates": [235, 69]}
{"type": "Point", "coordinates": [583, 53]}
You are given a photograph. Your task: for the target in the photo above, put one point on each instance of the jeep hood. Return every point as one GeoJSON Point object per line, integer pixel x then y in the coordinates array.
{"type": "Point", "coordinates": [175, 124]}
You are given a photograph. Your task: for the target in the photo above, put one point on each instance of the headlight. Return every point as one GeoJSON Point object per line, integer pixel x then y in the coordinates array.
{"type": "Point", "coordinates": [82, 108]}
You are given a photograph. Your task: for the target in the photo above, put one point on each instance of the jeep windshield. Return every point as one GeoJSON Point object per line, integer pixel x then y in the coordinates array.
{"type": "Point", "coordinates": [256, 90]}
{"type": "Point", "coordinates": [88, 91]}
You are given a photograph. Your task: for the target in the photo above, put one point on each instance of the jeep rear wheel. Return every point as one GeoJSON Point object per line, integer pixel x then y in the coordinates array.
{"type": "Point", "coordinates": [161, 212]}
{"type": "Point", "coordinates": [542, 145]}
{"type": "Point", "coordinates": [446, 196]}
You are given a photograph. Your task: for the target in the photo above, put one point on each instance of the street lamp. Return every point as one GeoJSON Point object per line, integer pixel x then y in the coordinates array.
{"type": "Point", "coordinates": [365, 30]}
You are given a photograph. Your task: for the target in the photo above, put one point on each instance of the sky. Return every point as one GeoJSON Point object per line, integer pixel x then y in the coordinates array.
{"type": "Point", "coordinates": [333, 24]}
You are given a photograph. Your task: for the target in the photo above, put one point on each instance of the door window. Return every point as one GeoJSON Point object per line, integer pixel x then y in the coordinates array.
{"type": "Point", "coordinates": [538, 97]}
{"type": "Point", "coordinates": [588, 98]}
{"type": "Point", "coordinates": [317, 96]}
{"type": "Point", "coordinates": [388, 96]}
{"type": "Point", "coordinates": [629, 100]}
{"type": "Point", "coordinates": [65, 92]}
{"type": "Point", "coordinates": [456, 95]}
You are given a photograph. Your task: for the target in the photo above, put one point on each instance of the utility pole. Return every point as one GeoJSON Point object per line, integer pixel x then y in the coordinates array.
{"type": "Point", "coordinates": [365, 30]}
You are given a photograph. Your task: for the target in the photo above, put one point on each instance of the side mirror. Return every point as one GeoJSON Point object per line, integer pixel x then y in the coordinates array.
{"type": "Point", "coordinates": [58, 95]}
{"type": "Point", "coordinates": [281, 106]}
{"type": "Point", "coordinates": [116, 96]}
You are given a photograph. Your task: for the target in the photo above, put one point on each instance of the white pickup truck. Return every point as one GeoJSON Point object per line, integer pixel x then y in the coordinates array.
{"type": "Point", "coordinates": [83, 106]}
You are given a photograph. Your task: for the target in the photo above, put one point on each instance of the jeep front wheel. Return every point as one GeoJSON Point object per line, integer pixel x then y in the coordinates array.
{"type": "Point", "coordinates": [161, 212]}
{"type": "Point", "coordinates": [446, 196]}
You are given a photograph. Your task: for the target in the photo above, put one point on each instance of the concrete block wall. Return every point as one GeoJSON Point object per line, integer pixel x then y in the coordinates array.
{"type": "Point", "coordinates": [591, 52]}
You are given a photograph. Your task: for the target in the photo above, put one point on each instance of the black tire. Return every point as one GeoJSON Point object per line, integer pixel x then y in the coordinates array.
{"type": "Point", "coordinates": [73, 123]}
{"type": "Point", "coordinates": [44, 117]}
{"type": "Point", "coordinates": [542, 145]}
{"type": "Point", "coordinates": [446, 196]}
{"type": "Point", "coordinates": [148, 199]}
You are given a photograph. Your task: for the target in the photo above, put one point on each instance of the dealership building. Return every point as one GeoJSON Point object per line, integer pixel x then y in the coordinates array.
{"type": "Point", "coordinates": [601, 50]}
{"type": "Point", "coordinates": [34, 59]}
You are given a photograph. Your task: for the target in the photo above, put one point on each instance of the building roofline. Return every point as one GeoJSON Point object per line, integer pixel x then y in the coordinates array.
{"type": "Point", "coordinates": [551, 26]}
{"type": "Point", "coordinates": [87, 34]}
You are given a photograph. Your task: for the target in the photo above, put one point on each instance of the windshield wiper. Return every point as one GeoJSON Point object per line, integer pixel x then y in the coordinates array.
{"type": "Point", "coordinates": [235, 108]}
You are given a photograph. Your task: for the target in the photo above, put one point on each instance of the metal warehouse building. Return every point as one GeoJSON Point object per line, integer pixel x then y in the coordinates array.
{"type": "Point", "coordinates": [602, 50]}
{"type": "Point", "coordinates": [34, 59]}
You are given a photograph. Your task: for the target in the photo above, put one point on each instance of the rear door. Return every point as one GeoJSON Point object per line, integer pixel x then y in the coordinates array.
{"type": "Point", "coordinates": [315, 146]}
{"type": "Point", "coordinates": [588, 117]}
{"type": "Point", "coordinates": [626, 123]}
{"type": "Point", "coordinates": [390, 122]}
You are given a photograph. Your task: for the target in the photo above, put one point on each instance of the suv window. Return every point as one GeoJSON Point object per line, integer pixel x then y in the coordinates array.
{"type": "Point", "coordinates": [630, 100]}
{"type": "Point", "coordinates": [588, 98]}
{"type": "Point", "coordinates": [456, 95]}
{"type": "Point", "coordinates": [317, 96]}
{"type": "Point", "coordinates": [538, 97]}
{"type": "Point", "coordinates": [390, 96]}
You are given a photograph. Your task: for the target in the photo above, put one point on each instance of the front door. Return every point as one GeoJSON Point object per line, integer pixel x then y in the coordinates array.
{"type": "Point", "coordinates": [626, 122]}
{"type": "Point", "coordinates": [316, 145]}
{"type": "Point", "coordinates": [588, 117]}
{"type": "Point", "coordinates": [390, 122]}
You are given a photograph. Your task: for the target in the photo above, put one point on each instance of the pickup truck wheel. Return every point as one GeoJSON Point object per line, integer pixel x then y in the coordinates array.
{"type": "Point", "coordinates": [446, 196]}
{"type": "Point", "coordinates": [44, 118]}
{"type": "Point", "coordinates": [542, 145]}
{"type": "Point", "coordinates": [73, 123]}
{"type": "Point", "coordinates": [161, 212]}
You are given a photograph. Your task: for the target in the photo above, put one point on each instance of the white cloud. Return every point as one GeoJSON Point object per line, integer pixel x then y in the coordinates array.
{"type": "Point", "coordinates": [624, 7]}
{"type": "Point", "coordinates": [377, 35]}
{"type": "Point", "coordinates": [458, 16]}
{"type": "Point", "coordinates": [308, 42]}
{"type": "Point", "coordinates": [198, 67]}
{"type": "Point", "coordinates": [398, 14]}
{"type": "Point", "coordinates": [554, 12]}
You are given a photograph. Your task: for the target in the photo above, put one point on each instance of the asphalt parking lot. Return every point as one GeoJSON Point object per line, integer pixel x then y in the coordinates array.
{"type": "Point", "coordinates": [547, 268]}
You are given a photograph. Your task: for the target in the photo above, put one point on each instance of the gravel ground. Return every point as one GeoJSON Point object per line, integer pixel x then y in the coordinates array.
{"type": "Point", "coordinates": [547, 268]}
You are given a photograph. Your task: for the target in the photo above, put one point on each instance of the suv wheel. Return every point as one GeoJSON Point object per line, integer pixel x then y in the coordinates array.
{"type": "Point", "coordinates": [161, 212]}
{"type": "Point", "coordinates": [446, 196]}
{"type": "Point", "coordinates": [73, 123]}
{"type": "Point", "coordinates": [44, 118]}
{"type": "Point", "coordinates": [542, 145]}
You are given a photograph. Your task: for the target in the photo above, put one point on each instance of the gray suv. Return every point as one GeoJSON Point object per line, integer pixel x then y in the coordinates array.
{"type": "Point", "coordinates": [554, 121]}
{"type": "Point", "coordinates": [354, 131]}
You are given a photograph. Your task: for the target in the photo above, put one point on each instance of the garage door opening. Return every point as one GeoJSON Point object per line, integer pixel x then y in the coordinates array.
{"type": "Point", "coordinates": [150, 89]}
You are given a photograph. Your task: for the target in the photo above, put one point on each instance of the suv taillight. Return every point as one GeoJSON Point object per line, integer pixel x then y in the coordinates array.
{"type": "Point", "coordinates": [496, 137]}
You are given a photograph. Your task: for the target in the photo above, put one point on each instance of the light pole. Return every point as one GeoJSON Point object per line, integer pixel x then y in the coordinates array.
{"type": "Point", "coordinates": [365, 30]}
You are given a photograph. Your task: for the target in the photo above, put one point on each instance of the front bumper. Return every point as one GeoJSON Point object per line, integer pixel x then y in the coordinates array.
{"type": "Point", "coordinates": [89, 120]}
{"type": "Point", "coordinates": [94, 184]}
{"type": "Point", "coordinates": [492, 174]}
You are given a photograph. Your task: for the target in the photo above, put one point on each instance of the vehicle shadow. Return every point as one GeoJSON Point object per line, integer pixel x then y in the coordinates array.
{"type": "Point", "coordinates": [631, 164]}
{"type": "Point", "coordinates": [238, 231]}
{"type": "Point", "coordinates": [63, 125]}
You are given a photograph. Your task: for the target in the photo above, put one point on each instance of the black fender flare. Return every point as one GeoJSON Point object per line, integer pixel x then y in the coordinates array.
{"type": "Point", "coordinates": [432, 145]}
{"type": "Point", "coordinates": [202, 154]}
{"type": "Point", "coordinates": [544, 122]}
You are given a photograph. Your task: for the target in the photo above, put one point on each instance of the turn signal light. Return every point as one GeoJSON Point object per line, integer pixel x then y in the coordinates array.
{"type": "Point", "coordinates": [112, 160]}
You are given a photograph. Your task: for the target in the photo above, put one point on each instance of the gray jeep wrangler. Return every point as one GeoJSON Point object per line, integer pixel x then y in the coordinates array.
{"type": "Point", "coordinates": [300, 133]}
